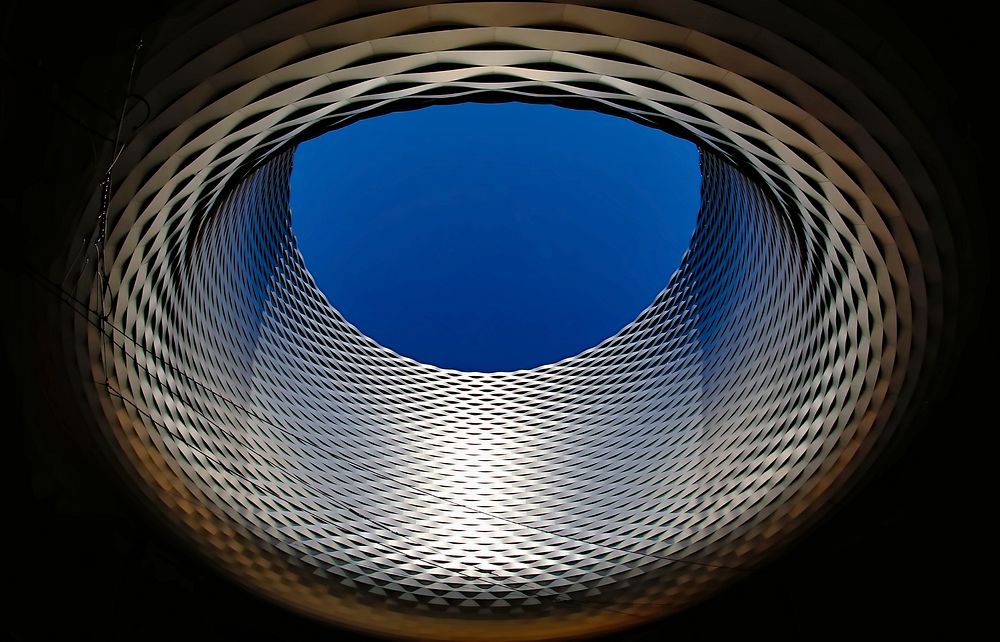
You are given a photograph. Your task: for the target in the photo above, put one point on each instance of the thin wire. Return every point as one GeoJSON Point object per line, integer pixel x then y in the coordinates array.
{"type": "Point", "coordinates": [98, 224]}
{"type": "Point", "coordinates": [145, 103]}
{"type": "Point", "coordinates": [128, 94]}
{"type": "Point", "coordinates": [102, 216]}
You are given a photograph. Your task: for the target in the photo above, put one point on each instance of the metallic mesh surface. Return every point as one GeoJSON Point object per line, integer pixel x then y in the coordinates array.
{"type": "Point", "coordinates": [493, 493]}
{"type": "Point", "coordinates": [575, 498]}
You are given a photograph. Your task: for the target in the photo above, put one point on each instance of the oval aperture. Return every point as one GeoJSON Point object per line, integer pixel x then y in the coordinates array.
{"type": "Point", "coordinates": [493, 237]}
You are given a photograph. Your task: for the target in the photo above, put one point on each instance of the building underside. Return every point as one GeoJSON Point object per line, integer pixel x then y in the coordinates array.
{"type": "Point", "coordinates": [777, 433]}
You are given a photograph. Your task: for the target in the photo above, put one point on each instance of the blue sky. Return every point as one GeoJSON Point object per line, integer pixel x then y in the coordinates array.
{"type": "Point", "coordinates": [493, 237]}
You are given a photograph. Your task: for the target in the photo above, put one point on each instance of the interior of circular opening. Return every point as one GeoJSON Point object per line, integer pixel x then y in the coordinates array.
{"type": "Point", "coordinates": [670, 415]}
{"type": "Point", "coordinates": [493, 237]}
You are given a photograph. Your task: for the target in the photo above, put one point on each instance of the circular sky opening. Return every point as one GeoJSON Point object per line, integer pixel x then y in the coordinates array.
{"type": "Point", "coordinates": [493, 237]}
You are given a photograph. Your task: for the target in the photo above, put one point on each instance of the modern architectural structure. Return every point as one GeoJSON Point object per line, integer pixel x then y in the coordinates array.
{"type": "Point", "coordinates": [576, 498]}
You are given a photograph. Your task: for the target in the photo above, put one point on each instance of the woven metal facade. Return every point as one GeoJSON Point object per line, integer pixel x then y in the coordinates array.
{"type": "Point", "coordinates": [579, 497]}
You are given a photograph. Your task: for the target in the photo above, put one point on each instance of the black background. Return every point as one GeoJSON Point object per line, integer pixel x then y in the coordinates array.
{"type": "Point", "coordinates": [904, 553]}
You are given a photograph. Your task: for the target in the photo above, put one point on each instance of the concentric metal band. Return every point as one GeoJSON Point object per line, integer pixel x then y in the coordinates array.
{"type": "Point", "coordinates": [577, 497]}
